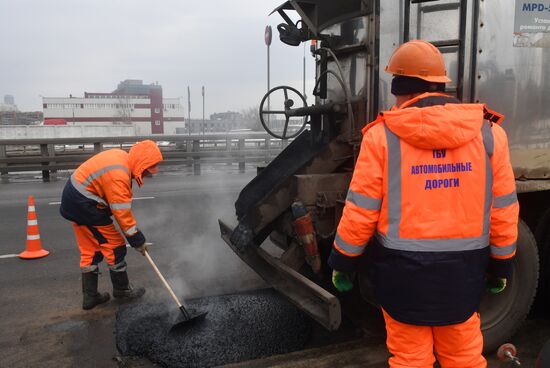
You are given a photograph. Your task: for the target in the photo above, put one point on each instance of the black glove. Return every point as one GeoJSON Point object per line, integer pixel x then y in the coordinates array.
{"type": "Point", "coordinates": [341, 262]}
{"type": "Point", "coordinates": [136, 240]}
{"type": "Point", "coordinates": [501, 268]}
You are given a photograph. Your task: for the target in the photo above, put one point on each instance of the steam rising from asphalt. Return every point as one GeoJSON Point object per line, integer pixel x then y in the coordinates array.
{"type": "Point", "coordinates": [187, 232]}
{"type": "Point", "coordinates": [239, 326]}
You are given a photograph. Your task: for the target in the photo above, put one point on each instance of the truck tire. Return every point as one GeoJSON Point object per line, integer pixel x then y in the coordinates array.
{"type": "Point", "coordinates": [542, 235]}
{"type": "Point", "coordinates": [502, 314]}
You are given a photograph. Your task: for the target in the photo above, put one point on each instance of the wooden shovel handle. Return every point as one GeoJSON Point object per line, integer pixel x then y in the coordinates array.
{"type": "Point", "coordinates": [162, 279]}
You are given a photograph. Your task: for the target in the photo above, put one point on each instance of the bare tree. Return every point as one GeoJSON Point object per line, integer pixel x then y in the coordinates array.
{"type": "Point", "coordinates": [251, 118]}
{"type": "Point", "coordinates": [124, 110]}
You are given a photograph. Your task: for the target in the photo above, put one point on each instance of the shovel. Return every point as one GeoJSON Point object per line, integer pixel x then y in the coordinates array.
{"type": "Point", "coordinates": [187, 317]}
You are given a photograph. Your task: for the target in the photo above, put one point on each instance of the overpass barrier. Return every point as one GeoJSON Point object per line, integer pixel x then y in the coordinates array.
{"type": "Point", "coordinates": [52, 154]}
{"type": "Point", "coordinates": [66, 131]}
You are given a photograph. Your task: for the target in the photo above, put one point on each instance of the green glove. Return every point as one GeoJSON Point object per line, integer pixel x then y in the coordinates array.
{"type": "Point", "coordinates": [342, 281]}
{"type": "Point", "coordinates": [495, 285]}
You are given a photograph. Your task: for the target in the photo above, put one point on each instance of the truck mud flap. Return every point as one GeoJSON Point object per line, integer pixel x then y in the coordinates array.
{"type": "Point", "coordinates": [321, 305]}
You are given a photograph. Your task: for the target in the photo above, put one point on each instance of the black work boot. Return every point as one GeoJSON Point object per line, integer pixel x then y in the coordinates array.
{"type": "Point", "coordinates": [91, 297]}
{"type": "Point", "coordinates": [122, 288]}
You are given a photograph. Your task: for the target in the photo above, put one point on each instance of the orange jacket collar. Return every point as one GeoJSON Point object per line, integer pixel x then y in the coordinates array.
{"type": "Point", "coordinates": [433, 127]}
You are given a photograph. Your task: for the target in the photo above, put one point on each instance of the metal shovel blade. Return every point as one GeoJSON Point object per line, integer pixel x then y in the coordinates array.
{"type": "Point", "coordinates": [187, 318]}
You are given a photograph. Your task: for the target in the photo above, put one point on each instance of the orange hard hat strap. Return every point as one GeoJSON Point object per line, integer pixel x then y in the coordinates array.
{"type": "Point", "coordinates": [424, 95]}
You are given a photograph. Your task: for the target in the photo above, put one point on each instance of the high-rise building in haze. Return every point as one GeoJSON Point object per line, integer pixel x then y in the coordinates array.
{"type": "Point", "coordinates": [9, 104]}
{"type": "Point", "coordinates": [9, 100]}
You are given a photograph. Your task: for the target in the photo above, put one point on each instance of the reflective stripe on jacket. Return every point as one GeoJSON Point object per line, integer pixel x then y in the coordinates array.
{"type": "Point", "coordinates": [433, 182]}
{"type": "Point", "coordinates": [106, 180]}
{"type": "Point", "coordinates": [102, 186]}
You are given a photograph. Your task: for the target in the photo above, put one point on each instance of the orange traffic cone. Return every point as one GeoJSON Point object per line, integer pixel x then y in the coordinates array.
{"type": "Point", "coordinates": [34, 245]}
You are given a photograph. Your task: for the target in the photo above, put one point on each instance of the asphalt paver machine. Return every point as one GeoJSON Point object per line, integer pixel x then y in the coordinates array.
{"type": "Point", "coordinates": [494, 53]}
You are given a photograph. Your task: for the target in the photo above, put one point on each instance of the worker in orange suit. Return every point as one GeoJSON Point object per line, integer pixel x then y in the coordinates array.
{"type": "Point", "coordinates": [100, 188]}
{"type": "Point", "coordinates": [434, 184]}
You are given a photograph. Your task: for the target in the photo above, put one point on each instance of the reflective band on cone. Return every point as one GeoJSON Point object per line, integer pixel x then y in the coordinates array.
{"type": "Point", "coordinates": [34, 245]}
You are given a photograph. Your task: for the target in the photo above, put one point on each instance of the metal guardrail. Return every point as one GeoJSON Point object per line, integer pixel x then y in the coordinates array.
{"type": "Point", "coordinates": [52, 154]}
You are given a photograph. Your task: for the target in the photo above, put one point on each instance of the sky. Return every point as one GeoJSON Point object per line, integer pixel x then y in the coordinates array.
{"type": "Point", "coordinates": [60, 47]}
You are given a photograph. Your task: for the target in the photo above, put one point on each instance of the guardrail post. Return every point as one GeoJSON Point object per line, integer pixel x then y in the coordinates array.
{"type": "Point", "coordinates": [51, 153]}
{"type": "Point", "coordinates": [267, 153]}
{"type": "Point", "coordinates": [3, 155]}
{"type": "Point", "coordinates": [98, 147]}
{"type": "Point", "coordinates": [284, 143]}
{"type": "Point", "coordinates": [228, 144]}
{"type": "Point", "coordinates": [188, 149]}
{"type": "Point", "coordinates": [44, 153]}
{"type": "Point", "coordinates": [196, 159]}
{"type": "Point", "coordinates": [241, 155]}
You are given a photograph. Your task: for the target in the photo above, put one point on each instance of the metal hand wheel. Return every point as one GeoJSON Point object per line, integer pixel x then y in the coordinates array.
{"type": "Point", "coordinates": [275, 126]}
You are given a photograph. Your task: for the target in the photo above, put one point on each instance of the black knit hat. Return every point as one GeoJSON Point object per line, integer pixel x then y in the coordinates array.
{"type": "Point", "coordinates": [401, 85]}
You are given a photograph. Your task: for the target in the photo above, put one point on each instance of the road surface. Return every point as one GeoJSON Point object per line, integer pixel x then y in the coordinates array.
{"type": "Point", "coordinates": [41, 320]}
{"type": "Point", "coordinates": [42, 323]}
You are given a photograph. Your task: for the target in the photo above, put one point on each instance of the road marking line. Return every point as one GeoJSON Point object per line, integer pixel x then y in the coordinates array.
{"type": "Point", "coordinates": [9, 256]}
{"type": "Point", "coordinates": [135, 199]}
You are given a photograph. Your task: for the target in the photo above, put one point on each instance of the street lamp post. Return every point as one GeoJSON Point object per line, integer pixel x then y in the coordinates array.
{"type": "Point", "coordinates": [189, 110]}
{"type": "Point", "coordinates": [42, 98]}
{"type": "Point", "coordinates": [203, 110]}
{"type": "Point", "coordinates": [267, 39]}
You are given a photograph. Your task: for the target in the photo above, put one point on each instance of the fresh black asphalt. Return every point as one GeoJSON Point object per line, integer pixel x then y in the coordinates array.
{"type": "Point", "coordinates": [238, 327]}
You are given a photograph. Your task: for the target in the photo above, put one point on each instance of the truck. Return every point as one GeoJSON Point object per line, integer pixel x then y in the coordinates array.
{"type": "Point", "coordinates": [495, 53]}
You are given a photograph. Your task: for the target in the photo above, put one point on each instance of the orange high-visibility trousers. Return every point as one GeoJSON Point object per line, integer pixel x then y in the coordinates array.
{"type": "Point", "coordinates": [456, 346]}
{"type": "Point", "coordinates": [98, 242]}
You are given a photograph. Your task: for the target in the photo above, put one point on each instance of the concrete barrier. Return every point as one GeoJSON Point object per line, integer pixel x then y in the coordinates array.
{"type": "Point", "coordinates": [72, 131]}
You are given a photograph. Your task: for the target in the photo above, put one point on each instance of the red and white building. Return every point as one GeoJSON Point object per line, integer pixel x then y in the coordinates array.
{"type": "Point", "coordinates": [133, 102]}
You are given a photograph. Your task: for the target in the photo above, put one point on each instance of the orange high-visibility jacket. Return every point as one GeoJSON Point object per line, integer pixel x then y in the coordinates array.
{"type": "Point", "coordinates": [433, 182]}
{"type": "Point", "coordinates": [102, 186]}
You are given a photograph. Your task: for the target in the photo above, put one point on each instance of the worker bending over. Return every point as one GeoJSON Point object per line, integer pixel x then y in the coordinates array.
{"type": "Point", "coordinates": [433, 182]}
{"type": "Point", "coordinates": [100, 188]}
